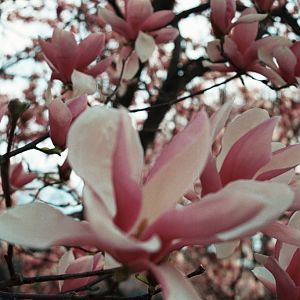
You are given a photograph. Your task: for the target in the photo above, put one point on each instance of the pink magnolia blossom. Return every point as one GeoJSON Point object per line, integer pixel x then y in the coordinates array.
{"type": "Point", "coordinates": [138, 222]}
{"type": "Point", "coordinates": [142, 26]}
{"type": "Point", "coordinates": [248, 154]}
{"type": "Point", "coordinates": [68, 264]}
{"type": "Point", "coordinates": [281, 274]}
{"type": "Point", "coordinates": [64, 55]}
{"type": "Point", "coordinates": [223, 12]}
{"type": "Point", "coordinates": [242, 50]}
{"type": "Point", "coordinates": [287, 61]}
{"type": "Point", "coordinates": [61, 116]}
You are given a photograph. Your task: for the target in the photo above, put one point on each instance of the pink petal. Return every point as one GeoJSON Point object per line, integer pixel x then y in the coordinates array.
{"type": "Point", "coordinates": [63, 264]}
{"type": "Point", "coordinates": [18, 177]}
{"type": "Point", "coordinates": [89, 49]}
{"type": "Point", "coordinates": [157, 20]}
{"type": "Point", "coordinates": [210, 178]}
{"type": "Point", "coordinates": [232, 53]}
{"type": "Point", "coordinates": [99, 68]}
{"type": "Point", "coordinates": [26, 225]}
{"type": "Point", "coordinates": [66, 53]}
{"type": "Point", "coordinates": [77, 105]}
{"type": "Point", "coordinates": [219, 67]}
{"type": "Point", "coordinates": [287, 62]}
{"type": "Point", "coordinates": [250, 18]}
{"type": "Point", "coordinates": [138, 11]}
{"type": "Point", "coordinates": [49, 51]}
{"type": "Point", "coordinates": [282, 161]}
{"type": "Point", "coordinates": [249, 153]}
{"type": "Point", "coordinates": [239, 127]}
{"type": "Point", "coordinates": [165, 35]}
{"type": "Point", "coordinates": [216, 217]}
{"type": "Point", "coordinates": [131, 67]}
{"type": "Point", "coordinates": [128, 153]}
{"type": "Point", "coordinates": [187, 152]}
{"type": "Point", "coordinates": [60, 119]}
{"type": "Point", "coordinates": [266, 277]}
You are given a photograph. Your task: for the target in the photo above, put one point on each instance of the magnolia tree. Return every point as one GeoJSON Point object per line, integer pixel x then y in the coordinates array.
{"type": "Point", "coordinates": [177, 153]}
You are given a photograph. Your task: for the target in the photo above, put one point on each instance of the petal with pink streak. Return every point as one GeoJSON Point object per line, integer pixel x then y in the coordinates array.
{"type": "Point", "coordinates": [60, 119]}
{"type": "Point", "coordinates": [99, 68]}
{"type": "Point", "coordinates": [91, 151]}
{"type": "Point", "coordinates": [157, 20]}
{"type": "Point", "coordinates": [63, 264]}
{"type": "Point", "coordinates": [144, 46]}
{"type": "Point", "coordinates": [89, 49]}
{"type": "Point", "coordinates": [138, 11]}
{"type": "Point", "coordinates": [274, 197]}
{"type": "Point", "coordinates": [250, 18]}
{"type": "Point", "coordinates": [131, 67]}
{"type": "Point", "coordinates": [282, 161]}
{"type": "Point", "coordinates": [249, 153]}
{"type": "Point", "coordinates": [239, 127]}
{"type": "Point", "coordinates": [83, 84]}
{"type": "Point", "coordinates": [128, 152]}
{"type": "Point", "coordinates": [232, 52]}
{"type": "Point", "coordinates": [165, 35]}
{"type": "Point", "coordinates": [214, 214]}
{"type": "Point", "coordinates": [186, 153]}
{"type": "Point", "coordinates": [118, 24]}
{"type": "Point", "coordinates": [27, 224]}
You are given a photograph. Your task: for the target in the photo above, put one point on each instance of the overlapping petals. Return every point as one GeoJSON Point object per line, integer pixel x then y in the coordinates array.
{"type": "Point", "coordinates": [64, 55]}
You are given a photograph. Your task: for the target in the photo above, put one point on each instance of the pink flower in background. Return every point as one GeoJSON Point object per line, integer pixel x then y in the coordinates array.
{"type": "Point", "coordinates": [61, 116]}
{"type": "Point", "coordinates": [281, 274]}
{"type": "Point", "coordinates": [64, 55]}
{"type": "Point", "coordinates": [142, 26]}
{"type": "Point", "coordinates": [68, 264]}
{"type": "Point", "coordinates": [223, 12]}
{"type": "Point", "coordinates": [18, 177]}
{"type": "Point", "coordinates": [267, 5]}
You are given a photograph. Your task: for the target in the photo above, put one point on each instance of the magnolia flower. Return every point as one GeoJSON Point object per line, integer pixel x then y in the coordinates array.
{"type": "Point", "coordinates": [142, 26]}
{"type": "Point", "coordinates": [63, 55]}
{"type": "Point", "coordinates": [222, 13]}
{"type": "Point", "coordinates": [287, 61]}
{"type": "Point", "coordinates": [61, 116]}
{"type": "Point", "coordinates": [137, 221]}
{"type": "Point", "coordinates": [281, 273]}
{"type": "Point", "coordinates": [248, 154]}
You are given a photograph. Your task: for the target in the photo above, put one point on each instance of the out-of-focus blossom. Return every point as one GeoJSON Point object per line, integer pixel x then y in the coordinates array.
{"type": "Point", "coordinates": [68, 264]}
{"type": "Point", "coordinates": [18, 177]}
{"type": "Point", "coordinates": [138, 223]}
{"type": "Point", "coordinates": [287, 60]}
{"type": "Point", "coordinates": [267, 5]}
{"type": "Point", "coordinates": [222, 13]}
{"type": "Point", "coordinates": [248, 154]}
{"type": "Point", "coordinates": [281, 273]}
{"type": "Point", "coordinates": [61, 116]}
{"type": "Point", "coordinates": [142, 26]}
{"type": "Point", "coordinates": [242, 50]}
{"type": "Point", "coordinates": [64, 55]}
